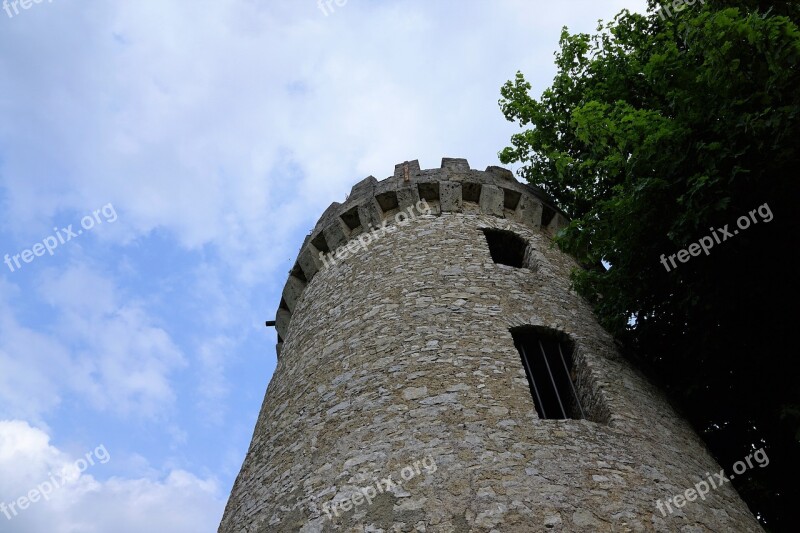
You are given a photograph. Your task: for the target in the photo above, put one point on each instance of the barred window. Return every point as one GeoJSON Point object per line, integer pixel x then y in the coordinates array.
{"type": "Point", "coordinates": [547, 357]}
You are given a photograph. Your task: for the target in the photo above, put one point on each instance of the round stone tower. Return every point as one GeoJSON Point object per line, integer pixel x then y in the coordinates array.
{"type": "Point", "coordinates": [436, 373]}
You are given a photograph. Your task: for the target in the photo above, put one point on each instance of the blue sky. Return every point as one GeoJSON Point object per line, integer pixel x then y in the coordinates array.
{"type": "Point", "coordinates": [193, 145]}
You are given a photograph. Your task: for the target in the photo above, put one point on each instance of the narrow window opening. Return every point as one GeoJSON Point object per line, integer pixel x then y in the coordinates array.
{"type": "Point", "coordinates": [506, 248]}
{"type": "Point", "coordinates": [547, 215]}
{"type": "Point", "coordinates": [298, 273]}
{"type": "Point", "coordinates": [511, 199]}
{"type": "Point", "coordinates": [387, 201]}
{"type": "Point", "coordinates": [547, 358]}
{"type": "Point", "coordinates": [471, 192]}
{"type": "Point", "coordinates": [320, 243]}
{"type": "Point", "coordinates": [351, 219]}
{"type": "Point", "coordinates": [429, 191]}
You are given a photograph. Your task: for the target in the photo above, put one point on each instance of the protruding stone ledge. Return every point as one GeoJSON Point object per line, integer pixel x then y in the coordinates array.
{"type": "Point", "coordinates": [456, 164]}
{"type": "Point", "coordinates": [407, 170]}
{"type": "Point", "coordinates": [502, 173]}
{"type": "Point", "coordinates": [492, 200]}
{"type": "Point", "coordinates": [558, 223]}
{"type": "Point", "coordinates": [530, 211]}
{"type": "Point", "coordinates": [364, 187]}
{"type": "Point", "coordinates": [450, 196]}
{"type": "Point", "coordinates": [292, 291]}
{"type": "Point", "coordinates": [282, 319]}
{"type": "Point", "coordinates": [494, 192]}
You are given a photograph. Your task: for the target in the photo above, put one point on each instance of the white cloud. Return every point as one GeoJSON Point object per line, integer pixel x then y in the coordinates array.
{"type": "Point", "coordinates": [176, 502]}
{"type": "Point", "coordinates": [122, 359]}
{"type": "Point", "coordinates": [108, 352]}
{"type": "Point", "coordinates": [234, 124]}
{"type": "Point", "coordinates": [32, 364]}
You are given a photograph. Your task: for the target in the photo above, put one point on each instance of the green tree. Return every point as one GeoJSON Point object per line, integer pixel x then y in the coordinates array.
{"type": "Point", "coordinates": [655, 130]}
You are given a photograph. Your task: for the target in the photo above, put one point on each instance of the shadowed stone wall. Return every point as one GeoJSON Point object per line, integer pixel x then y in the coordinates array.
{"type": "Point", "coordinates": [396, 363]}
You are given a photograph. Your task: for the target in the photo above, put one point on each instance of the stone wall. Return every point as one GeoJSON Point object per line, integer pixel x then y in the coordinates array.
{"type": "Point", "coordinates": [397, 363]}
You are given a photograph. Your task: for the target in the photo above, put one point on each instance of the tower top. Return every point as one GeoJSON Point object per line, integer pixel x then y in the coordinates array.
{"type": "Point", "coordinates": [452, 188]}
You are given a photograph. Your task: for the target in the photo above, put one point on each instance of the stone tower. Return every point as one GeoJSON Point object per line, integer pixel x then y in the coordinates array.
{"type": "Point", "coordinates": [436, 373]}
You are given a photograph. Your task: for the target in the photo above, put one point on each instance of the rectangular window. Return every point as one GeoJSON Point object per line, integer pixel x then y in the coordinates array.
{"type": "Point", "coordinates": [506, 247]}
{"type": "Point", "coordinates": [547, 358]}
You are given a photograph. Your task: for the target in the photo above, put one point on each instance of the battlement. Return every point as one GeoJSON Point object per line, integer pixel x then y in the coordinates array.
{"type": "Point", "coordinates": [452, 188]}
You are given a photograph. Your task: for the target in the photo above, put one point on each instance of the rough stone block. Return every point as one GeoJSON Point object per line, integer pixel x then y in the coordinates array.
{"type": "Point", "coordinates": [335, 234]}
{"type": "Point", "coordinates": [558, 223]}
{"type": "Point", "coordinates": [492, 200]}
{"type": "Point", "coordinates": [450, 196]}
{"type": "Point", "coordinates": [309, 261]}
{"type": "Point", "coordinates": [455, 164]}
{"type": "Point", "coordinates": [407, 196]}
{"type": "Point", "coordinates": [400, 169]}
{"type": "Point", "coordinates": [363, 188]}
{"type": "Point", "coordinates": [370, 213]}
{"type": "Point", "coordinates": [292, 291]}
{"type": "Point", "coordinates": [502, 173]}
{"type": "Point", "coordinates": [529, 211]}
{"type": "Point", "coordinates": [282, 319]}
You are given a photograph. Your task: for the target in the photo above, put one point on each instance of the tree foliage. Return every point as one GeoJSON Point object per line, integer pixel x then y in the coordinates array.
{"type": "Point", "coordinates": [655, 130]}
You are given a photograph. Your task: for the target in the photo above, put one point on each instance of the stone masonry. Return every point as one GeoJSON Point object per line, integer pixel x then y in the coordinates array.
{"type": "Point", "coordinates": [399, 356]}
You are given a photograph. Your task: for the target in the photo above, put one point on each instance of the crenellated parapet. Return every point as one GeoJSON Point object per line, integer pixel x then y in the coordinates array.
{"type": "Point", "coordinates": [373, 205]}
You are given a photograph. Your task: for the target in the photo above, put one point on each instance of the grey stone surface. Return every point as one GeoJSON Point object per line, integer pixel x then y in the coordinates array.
{"type": "Point", "coordinates": [530, 211]}
{"type": "Point", "coordinates": [370, 213]}
{"type": "Point", "coordinates": [450, 196]}
{"type": "Point", "coordinates": [402, 352]}
{"type": "Point", "coordinates": [453, 163]}
{"type": "Point", "coordinates": [282, 318]}
{"type": "Point", "coordinates": [407, 195]}
{"type": "Point", "coordinates": [309, 261]}
{"type": "Point", "coordinates": [292, 292]}
{"type": "Point", "coordinates": [558, 223]}
{"type": "Point", "coordinates": [502, 173]}
{"type": "Point", "coordinates": [409, 167]}
{"type": "Point", "coordinates": [364, 187]}
{"type": "Point", "coordinates": [492, 200]}
{"type": "Point", "coordinates": [335, 234]}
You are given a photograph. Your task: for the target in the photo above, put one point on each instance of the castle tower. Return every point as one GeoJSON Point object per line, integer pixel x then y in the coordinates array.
{"type": "Point", "coordinates": [438, 374]}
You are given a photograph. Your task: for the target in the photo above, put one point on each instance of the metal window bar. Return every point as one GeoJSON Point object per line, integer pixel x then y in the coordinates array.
{"type": "Point", "coordinates": [553, 381]}
{"type": "Point", "coordinates": [571, 384]}
{"type": "Point", "coordinates": [533, 381]}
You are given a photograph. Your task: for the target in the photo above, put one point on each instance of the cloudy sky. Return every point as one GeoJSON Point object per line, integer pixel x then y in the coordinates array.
{"type": "Point", "coordinates": [160, 164]}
